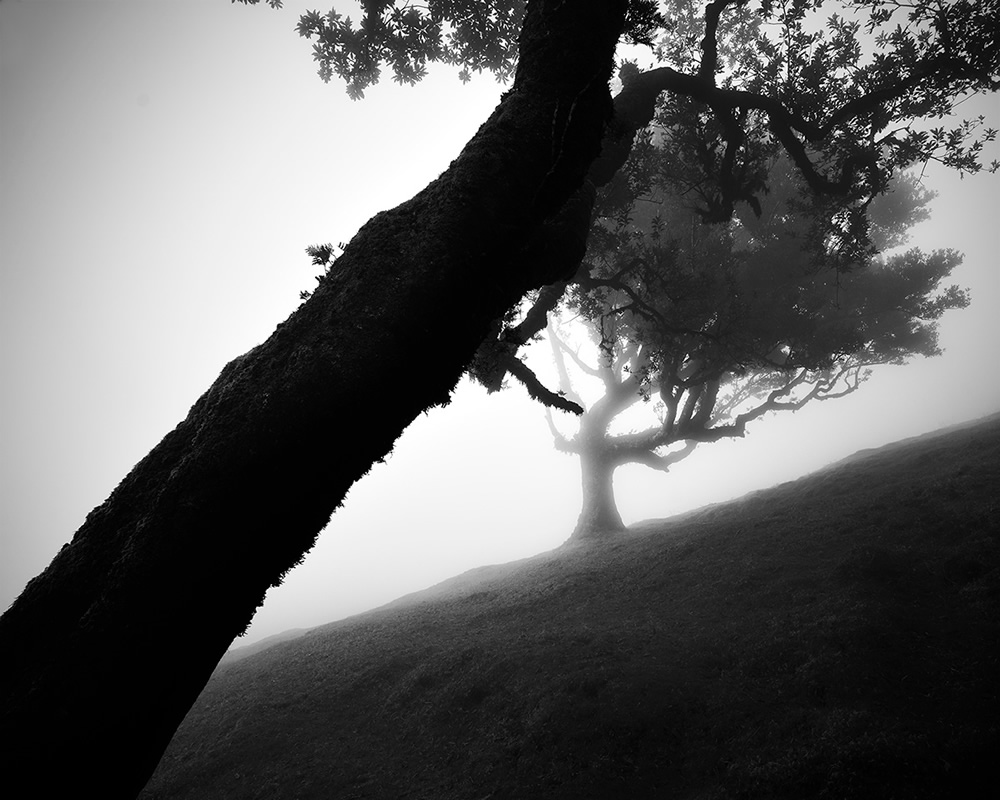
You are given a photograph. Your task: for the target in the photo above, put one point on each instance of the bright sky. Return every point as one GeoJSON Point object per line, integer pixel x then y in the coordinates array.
{"type": "Point", "coordinates": [163, 165]}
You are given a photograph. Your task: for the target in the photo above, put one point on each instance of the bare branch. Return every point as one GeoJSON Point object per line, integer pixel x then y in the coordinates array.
{"type": "Point", "coordinates": [709, 44]}
{"type": "Point", "coordinates": [637, 305]}
{"type": "Point", "coordinates": [558, 348]}
{"type": "Point", "coordinates": [536, 319]}
{"type": "Point", "coordinates": [524, 374]}
{"type": "Point", "coordinates": [786, 123]}
{"type": "Point", "coordinates": [822, 388]}
{"type": "Point", "coordinates": [665, 461]}
{"type": "Point", "coordinates": [594, 372]}
{"type": "Point", "coordinates": [562, 444]}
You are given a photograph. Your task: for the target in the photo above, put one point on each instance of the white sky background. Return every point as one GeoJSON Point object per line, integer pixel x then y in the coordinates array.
{"type": "Point", "coordinates": [163, 165]}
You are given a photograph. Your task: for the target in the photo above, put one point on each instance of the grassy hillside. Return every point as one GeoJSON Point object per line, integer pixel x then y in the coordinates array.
{"type": "Point", "coordinates": [833, 637]}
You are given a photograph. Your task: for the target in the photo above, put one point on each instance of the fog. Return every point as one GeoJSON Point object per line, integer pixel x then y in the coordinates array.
{"type": "Point", "coordinates": [163, 167]}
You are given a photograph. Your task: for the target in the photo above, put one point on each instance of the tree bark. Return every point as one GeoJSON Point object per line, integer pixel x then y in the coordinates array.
{"type": "Point", "coordinates": [599, 458]}
{"type": "Point", "coordinates": [106, 650]}
{"type": "Point", "coordinates": [599, 514]}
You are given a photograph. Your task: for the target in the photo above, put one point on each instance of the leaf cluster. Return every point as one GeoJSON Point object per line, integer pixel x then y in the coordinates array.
{"type": "Point", "coordinates": [405, 37]}
{"type": "Point", "coordinates": [322, 255]}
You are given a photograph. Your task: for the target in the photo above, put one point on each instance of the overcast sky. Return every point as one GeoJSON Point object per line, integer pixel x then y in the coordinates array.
{"type": "Point", "coordinates": [163, 165]}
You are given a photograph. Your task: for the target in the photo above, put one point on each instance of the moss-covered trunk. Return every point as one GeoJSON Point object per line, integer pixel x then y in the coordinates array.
{"type": "Point", "coordinates": [106, 650]}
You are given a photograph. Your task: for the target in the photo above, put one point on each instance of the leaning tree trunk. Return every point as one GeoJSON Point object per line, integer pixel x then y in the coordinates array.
{"type": "Point", "coordinates": [106, 650]}
{"type": "Point", "coordinates": [599, 515]}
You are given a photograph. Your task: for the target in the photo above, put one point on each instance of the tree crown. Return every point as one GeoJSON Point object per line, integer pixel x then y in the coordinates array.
{"type": "Point", "coordinates": [723, 323]}
{"type": "Point", "coordinates": [853, 90]}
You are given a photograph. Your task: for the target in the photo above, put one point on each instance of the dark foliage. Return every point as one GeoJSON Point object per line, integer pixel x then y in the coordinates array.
{"type": "Point", "coordinates": [851, 93]}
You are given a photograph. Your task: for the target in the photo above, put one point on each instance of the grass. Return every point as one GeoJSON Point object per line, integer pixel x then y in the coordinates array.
{"type": "Point", "coordinates": [833, 637]}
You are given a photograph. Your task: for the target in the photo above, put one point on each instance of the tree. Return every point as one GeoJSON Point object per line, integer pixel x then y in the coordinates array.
{"type": "Point", "coordinates": [721, 325]}
{"type": "Point", "coordinates": [187, 545]}
{"type": "Point", "coordinates": [748, 80]}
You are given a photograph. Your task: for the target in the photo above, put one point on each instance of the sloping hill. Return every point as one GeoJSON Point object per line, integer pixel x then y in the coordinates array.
{"type": "Point", "coordinates": [240, 652]}
{"type": "Point", "coordinates": [837, 636]}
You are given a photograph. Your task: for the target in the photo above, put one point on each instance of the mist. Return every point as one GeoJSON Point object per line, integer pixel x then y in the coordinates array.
{"type": "Point", "coordinates": [163, 168]}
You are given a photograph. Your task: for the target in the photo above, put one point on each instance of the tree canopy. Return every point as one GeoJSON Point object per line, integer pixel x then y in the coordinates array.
{"type": "Point", "coordinates": [715, 326]}
{"type": "Point", "coordinates": [842, 93]}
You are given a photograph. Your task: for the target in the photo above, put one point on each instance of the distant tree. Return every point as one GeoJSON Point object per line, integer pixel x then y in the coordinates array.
{"type": "Point", "coordinates": [105, 651]}
{"type": "Point", "coordinates": [710, 327]}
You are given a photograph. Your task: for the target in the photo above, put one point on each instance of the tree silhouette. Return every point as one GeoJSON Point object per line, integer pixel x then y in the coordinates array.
{"type": "Point", "coordinates": [713, 326]}
{"type": "Point", "coordinates": [187, 545]}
